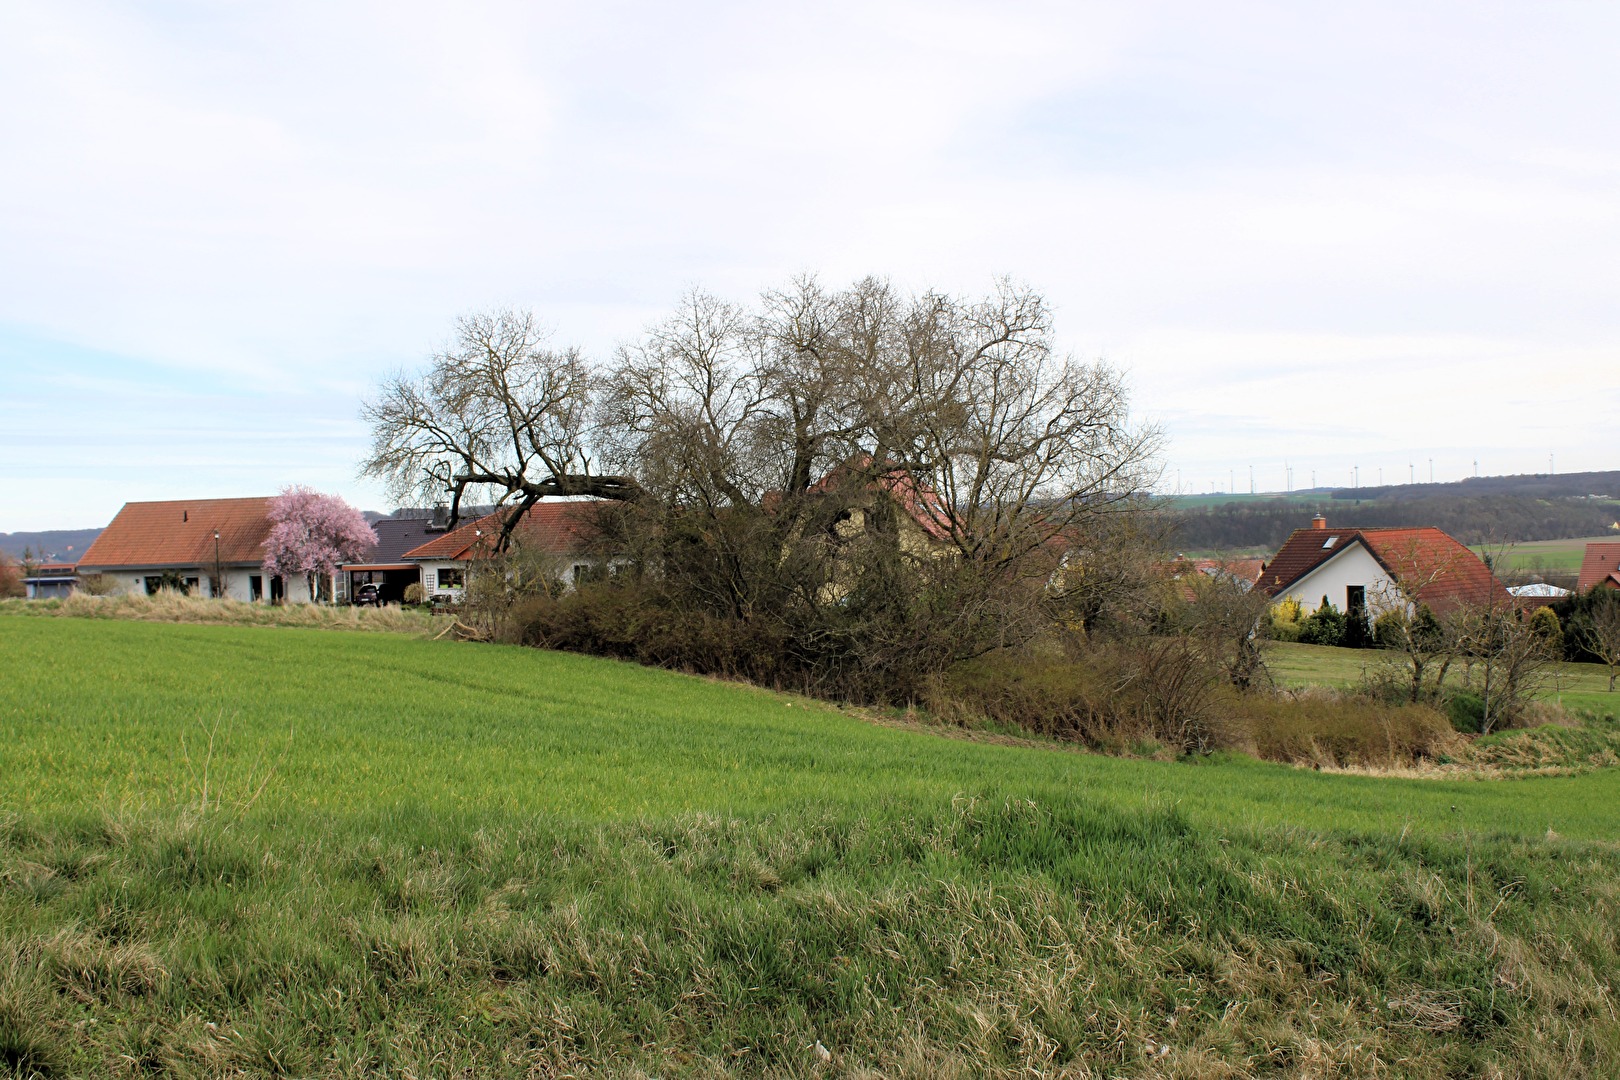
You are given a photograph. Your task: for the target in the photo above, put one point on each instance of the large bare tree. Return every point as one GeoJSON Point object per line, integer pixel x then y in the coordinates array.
{"type": "Point", "coordinates": [498, 414]}
{"type": "Point", "coordinates": [967, 400]}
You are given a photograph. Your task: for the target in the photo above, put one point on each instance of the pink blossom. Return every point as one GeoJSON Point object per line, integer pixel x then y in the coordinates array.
{"type": "Point", "coordinates": [314, 534]}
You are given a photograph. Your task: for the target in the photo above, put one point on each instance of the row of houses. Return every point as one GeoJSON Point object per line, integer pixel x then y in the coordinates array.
{"type": "Point", "coordinates": [199, 542]}
{"type": "Point", "coordinates": [216, 546]}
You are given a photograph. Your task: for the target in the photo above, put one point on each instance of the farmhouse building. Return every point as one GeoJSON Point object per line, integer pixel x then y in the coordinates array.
{"type": "Point", "coordinates": [386, 565]}
{"type": "Point", "coordinates": [1600, 567]}
{"type": "Point", "coordinates": [562, 532]}
{"type": "Point", "coordinates": [1372, 570]}
{"type": "Point", "coordinates": [194, 542]}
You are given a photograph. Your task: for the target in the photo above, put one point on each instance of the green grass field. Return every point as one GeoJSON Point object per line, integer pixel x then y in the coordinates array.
{"type": "Point", "coordinates": [1577, 687]}
{"type": "Point", "coordinates": [1545, 554]}
{"type": "Point", "coordinates": [414, 857]}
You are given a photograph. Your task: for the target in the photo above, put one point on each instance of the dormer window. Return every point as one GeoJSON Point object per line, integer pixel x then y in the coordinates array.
{"type": "Point", "coordinates": [1329, 542]}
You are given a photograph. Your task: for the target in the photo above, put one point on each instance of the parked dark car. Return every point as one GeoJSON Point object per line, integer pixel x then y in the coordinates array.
{"type": "Point", "coordinates": [368, 595]}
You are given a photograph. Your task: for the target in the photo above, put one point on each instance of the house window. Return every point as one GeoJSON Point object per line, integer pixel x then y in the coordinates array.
{"type": "Point", "coordinates": [255, 587]}
{"type": "Point", "coordinates": [452, 577]}
{"type": "Point", "coordinates": [1329, 542]}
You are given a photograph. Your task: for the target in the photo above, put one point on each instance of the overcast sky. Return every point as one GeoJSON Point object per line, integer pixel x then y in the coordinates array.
{"type": "Point", "coordinates": [1335, 235]}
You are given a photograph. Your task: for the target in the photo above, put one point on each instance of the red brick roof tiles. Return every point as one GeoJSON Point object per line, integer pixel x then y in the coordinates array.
{"type": "Point", "coordinates": [1600, 565]}
{"type": "Point", "coordinates": [180, 533]}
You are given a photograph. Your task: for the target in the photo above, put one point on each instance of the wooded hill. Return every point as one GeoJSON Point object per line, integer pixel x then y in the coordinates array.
{"type": "Point", "coordinates": [1487, 510]}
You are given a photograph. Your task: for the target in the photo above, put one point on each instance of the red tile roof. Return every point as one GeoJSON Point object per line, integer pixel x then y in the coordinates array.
{"type": "Point", "coordinates": [920, 502]}
{"type": "Point", "coordinates": [560, 527]}
{"type": "Point", "coordinates": [1451, 573]}
{"type": "Point", "coordinates": [1600, 565]}
{"type": "Point", "coordinates": [181, 534]}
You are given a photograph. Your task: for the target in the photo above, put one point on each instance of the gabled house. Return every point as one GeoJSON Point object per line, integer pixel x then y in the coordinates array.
{"type": "Point", "coordinates": [1600, 566]}
{"type": "Point", "coordinates": [1372, 570]}
{"type": "Point", "coordinates": [194, 542]}
{"type": "Point", "coordinates": [564, 529]}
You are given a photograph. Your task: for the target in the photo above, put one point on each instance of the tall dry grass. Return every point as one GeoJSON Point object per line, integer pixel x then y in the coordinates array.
{"type": "Point", "coordinates": [176, 607]}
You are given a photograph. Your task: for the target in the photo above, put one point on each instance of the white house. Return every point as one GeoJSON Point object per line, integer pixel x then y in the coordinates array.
{"type": "Point", "coordinates": [198, 542]}
{"type": "Point", "coordinates": [1372, 570]}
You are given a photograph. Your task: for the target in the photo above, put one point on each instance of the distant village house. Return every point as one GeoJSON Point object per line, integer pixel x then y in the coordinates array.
{"type": "Point", "coordinates": [1373, 570]}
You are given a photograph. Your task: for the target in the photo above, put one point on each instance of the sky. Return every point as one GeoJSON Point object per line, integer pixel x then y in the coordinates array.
{"type": "Point", "coordinates": [1321, 240]}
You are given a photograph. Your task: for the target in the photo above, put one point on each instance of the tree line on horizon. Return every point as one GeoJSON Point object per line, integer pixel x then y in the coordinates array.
{"type": "Point", "coordinates": [1474, 520]}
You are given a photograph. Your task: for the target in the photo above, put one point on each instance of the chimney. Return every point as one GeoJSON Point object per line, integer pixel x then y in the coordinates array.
{"type": "Point", "coordinates": [1319, 522]}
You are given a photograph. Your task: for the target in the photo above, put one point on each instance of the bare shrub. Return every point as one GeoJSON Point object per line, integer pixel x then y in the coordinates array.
{"type": "Point", "coordinates": [97, 585]}
{"type": "Point", "coordinates": [1327, 728]}
{"type": "Point", "coordinates": [11, 579]}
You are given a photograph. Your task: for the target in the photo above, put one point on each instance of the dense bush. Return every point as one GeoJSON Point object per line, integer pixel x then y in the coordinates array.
{"type": "Point", "coordinates": [1544, 624]}
{"type": "Point", "coordinates": [1324, 626]}
{"type": "Point", "coordinates": [1467, 711]}
{"type": "Point", "coordinates": [630, 624]}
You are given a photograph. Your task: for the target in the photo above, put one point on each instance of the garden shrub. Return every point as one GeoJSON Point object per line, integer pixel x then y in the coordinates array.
{"type": "Point", "coordinates": [1324, 626]}
{"type": "Point", "coordinates": [1544, 624]}
{"type": "Point", "coordinates": [1466, 711]}
{"type": "Point", "coordinates": [414, 593]}
{"type": "Point", "coordinates": [1389, 630]}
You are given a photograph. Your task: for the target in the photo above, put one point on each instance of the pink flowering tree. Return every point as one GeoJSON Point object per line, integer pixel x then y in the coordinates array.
{"type": "Point", "coordinates": [313, 534]}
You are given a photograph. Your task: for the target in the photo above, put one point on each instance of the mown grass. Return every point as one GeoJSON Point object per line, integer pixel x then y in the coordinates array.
{"type": "Point", "coordinates": [432, 858]}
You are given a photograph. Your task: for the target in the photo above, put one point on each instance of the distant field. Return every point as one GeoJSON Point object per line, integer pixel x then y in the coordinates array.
{"type": "Point", "coordinates": [263, 851]}
{"type": "Point", "coordinates": [1201, 502]}
{"type": "Point", "coordinates": [1577, 686]}
{"type": "Point", "coordinates": [1546, 554]}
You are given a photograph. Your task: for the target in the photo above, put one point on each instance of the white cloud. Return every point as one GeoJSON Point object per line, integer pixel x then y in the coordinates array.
{"type": "Point", "coordinates": [295, 198]}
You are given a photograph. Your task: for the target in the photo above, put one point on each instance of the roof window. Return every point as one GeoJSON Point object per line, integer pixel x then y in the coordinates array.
{"type": "Point", "coordinates": [1329, 542]}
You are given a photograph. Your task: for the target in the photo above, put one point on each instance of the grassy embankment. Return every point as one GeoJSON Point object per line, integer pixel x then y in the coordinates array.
{"type": "Point", "coordinates": [431, 858]}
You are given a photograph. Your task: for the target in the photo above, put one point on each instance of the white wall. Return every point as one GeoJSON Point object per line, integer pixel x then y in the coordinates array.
{"type": "Point", "coordinates": [237, 585]}
{"type": "Point", "coordinates": [564, 570]}
{"type": "Point", "coordinates": [1354, 565]}
{"type": "Point", "coordinates": [430, 578]}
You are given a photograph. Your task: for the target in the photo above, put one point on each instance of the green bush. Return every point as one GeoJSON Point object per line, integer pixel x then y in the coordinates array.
{"type": "Point", "coordinates": [1283, 631]}
{"type": "Point", "coordinates": [1544, 624]}
{"type": "Point", "coordinates": [1389, 630]}
{"type": "Point", "coordinates": [1466, 711]}
{"type": "Point", "coordinates": [1324, 626]}
{"type": "Point", "coordinates": [414, 593]}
